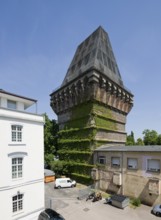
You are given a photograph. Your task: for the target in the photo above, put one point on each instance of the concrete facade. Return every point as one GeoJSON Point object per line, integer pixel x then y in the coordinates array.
{"type": "Point", "coordinates": [22, 158]}
{"type": "Point", "coordinates": [137, 174]}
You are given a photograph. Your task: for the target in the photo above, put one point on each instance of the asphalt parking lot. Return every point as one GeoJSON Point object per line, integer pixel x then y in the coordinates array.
{"type": "Point", "coordinates": [65, 202]}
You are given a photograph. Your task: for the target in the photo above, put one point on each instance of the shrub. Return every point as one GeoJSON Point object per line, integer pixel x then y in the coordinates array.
{"type": "Point", "coordinates": [59, 167]}
{"type": "Point", "coordinates": [84, 179]}
{"type": "Point", "coordinates": [136, 202]}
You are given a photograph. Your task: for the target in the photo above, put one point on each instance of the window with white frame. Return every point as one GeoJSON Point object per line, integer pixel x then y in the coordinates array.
{"type": "Point", "coordinates": [153, 165]}
{"type": "Point", "coordinates": [102, 159]}
{"type": "Point", "coordinates": [17, 167]}
{"type": "Point", "coordinates": [16, 133]}
{"type": "Point", "coordinates": [17, 203]}
{"type": "Point", "coordinates": [132, 163]}
{"type": "Point", "coordinates": [115, 161]}
{"type": "Point", "coordinates": [11, 104]}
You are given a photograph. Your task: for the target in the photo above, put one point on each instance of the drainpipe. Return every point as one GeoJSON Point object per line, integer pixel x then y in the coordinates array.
{"type": "Point", "coordinates": [122, 187]}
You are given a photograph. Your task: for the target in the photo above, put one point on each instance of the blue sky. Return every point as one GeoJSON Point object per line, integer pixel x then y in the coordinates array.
{"type": "Point", "coordinates": [38, 39]}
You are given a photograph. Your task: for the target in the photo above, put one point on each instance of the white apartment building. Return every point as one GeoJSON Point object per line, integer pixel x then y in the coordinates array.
{"type": "Point", "coordinates": [21, 158]}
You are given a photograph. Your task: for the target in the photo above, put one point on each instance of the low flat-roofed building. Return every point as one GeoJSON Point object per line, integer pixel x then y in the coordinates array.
{"type": "Point", "coordinates": [133, 171]}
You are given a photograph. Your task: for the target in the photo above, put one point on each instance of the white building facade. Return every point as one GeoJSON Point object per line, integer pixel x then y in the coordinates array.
{"type": "Point", "coordinates": [21, 158]}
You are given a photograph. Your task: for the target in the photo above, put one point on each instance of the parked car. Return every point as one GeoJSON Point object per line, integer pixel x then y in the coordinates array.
{"type": "Point", "coordinates": [64, 182]}
{"type": "Point", "coordinates": [157, 210]}
{"type": "Point", "coordinates": [50, 214]}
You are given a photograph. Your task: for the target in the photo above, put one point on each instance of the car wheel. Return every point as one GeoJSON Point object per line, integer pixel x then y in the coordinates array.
{"type": "Point", "coordinates": [157, 213]}
{"type": "Point", "coordinates": [59, 187]}
{"type": "Point", "coordinates": [72, 186]}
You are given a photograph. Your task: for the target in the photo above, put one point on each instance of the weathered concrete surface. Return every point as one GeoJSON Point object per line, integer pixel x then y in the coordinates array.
{"type": "Point", "coordinates": [65, 202]}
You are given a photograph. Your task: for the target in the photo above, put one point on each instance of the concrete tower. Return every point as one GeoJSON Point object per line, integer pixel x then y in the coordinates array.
{"type": "Point", "coordinates": [92, 103]}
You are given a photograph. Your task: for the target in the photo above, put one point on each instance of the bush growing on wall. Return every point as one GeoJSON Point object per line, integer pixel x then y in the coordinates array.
{"type": "Point", "coordinates": [84, 179]}
{"type": "Point", "coordinates": [77, 140]}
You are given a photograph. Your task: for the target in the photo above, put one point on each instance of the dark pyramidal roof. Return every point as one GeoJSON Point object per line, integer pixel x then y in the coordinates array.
{"type": "Point", "coordinates": [94, 53]}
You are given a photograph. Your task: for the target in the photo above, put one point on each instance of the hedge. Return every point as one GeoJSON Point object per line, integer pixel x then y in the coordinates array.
{"type": "Point", "coordinates": [84, 179]}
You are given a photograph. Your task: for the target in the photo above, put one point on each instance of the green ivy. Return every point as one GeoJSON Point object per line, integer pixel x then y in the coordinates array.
{"type": "Point", "coordinates": [77, 156]}
{"type": "Point", "coordinates": [75, 146]}
{"type": "Point", "coordinates": [105, 123]}
{"type": "Point", "coordinates": [77, 140]}
{"type": "Point", "coordinates": [82, 144]}
{"type": "Point", "coordinates": [77, 123]}
{"type": "Point", "coordinates": [82, 110]}
{"type": "Point", "coordinates": [102, 110]}
{"type": "Point", "coordinates": [84, 179]}
{"type": "Point", "coordinates": [77, 133]}
{"type": "Point", "coordinates": [80, 168]}
{"type": "Point", "coordinates": [62, 141]}
{"type": "Point", "coordinates": [80, 114]}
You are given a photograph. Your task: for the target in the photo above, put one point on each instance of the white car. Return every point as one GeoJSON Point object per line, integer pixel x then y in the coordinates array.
{"type": "Point", "coordinates": [64, 182]}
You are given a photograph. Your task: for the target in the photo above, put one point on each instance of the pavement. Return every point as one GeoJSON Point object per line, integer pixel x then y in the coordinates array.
{"type": "Point", "coordinates": [66, 202]}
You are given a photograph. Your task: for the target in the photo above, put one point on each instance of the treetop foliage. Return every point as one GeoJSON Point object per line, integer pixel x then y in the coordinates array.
{"type": "Point", "coordinates": [151, 137]}
{"type": "Point", "coordinates": [50, 135]}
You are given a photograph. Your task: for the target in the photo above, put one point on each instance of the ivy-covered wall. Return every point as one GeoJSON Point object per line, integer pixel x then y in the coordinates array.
{"type": "Point", "coordinates": [78, 138]}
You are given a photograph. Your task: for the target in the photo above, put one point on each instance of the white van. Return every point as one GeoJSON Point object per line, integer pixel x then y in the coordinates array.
{"type": "Point", "coordinates": [64, 182]}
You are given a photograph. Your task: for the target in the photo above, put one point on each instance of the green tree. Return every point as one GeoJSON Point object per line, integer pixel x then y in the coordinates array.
{"type": "Point", "coordinates": [50, 138]}
{"type": "Point", "coordinates": [139, 142]}
{"type": "Point", "coordinates": [130, 140]}
{"type": "Point", "coordinates": [48, 159]}
{"type": "Point", "coordinates": [59, 167]}
{"type": "Point", "coordinates": [159, 139]}
{"type": "Point", "coordinates": [150, 137]}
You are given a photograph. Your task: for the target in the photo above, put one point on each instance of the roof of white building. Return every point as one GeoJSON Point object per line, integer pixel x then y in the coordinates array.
{"type": "Point", "coordinates": [147, 148]}
{"type": "Point", "coordinates": [27, 101]}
